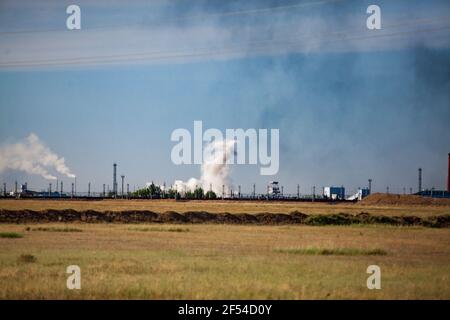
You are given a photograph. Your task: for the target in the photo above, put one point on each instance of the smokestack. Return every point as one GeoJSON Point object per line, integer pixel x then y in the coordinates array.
{"type": "Point", "coordinates": [370, 186]}
{"type": "Point", "coordinates": [420, 180]}
{"type": "Point", "coordinates": [123, 177]}
{"type": "Point", "coordinates": [115, 179]}
{"type": "Point", "coordinates": [448, 174]}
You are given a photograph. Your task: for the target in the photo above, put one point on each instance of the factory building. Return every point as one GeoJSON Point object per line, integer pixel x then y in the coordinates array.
{"type": "Point", "coordinates": [361, 194]}
{"type": "Point", "coordinates": [334, 193]}
{"type": "Point", "coordinates": [273, 188]}
{"type": "Point", "coordinates": [433, 193]}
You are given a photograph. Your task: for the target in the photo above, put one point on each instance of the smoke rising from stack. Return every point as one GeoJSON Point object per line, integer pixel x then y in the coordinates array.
{"type": "Point", "coordinates": [215, 172]}
{"type": "Point", "coordinates": [32, 156]}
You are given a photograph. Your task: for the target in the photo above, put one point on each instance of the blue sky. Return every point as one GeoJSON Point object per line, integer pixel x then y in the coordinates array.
{"type": "Point", "coordinates": [348, 109]}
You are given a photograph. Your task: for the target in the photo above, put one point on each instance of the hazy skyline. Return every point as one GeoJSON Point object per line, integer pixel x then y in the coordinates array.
{"type": "Point", "coordinates": [351, 104]}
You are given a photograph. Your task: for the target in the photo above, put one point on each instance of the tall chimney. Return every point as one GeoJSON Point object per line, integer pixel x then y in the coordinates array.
{"type": "Point", "coordinates": [448, 174]}
{"type": "Point", "coordinates": [114, 180]}
{"type": "Point", "coordinates": [123, 177]}
{"type": "Point", "coordinates": [420, 180]}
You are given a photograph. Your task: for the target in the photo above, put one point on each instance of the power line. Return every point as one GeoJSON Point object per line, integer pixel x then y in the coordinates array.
{"type": "Point", "coordinates": [255, 42]}
{"type": "Point", "coordinates": [174, 55]}
{"type": "Point", "coordinates": [192, 17]}
{"type": "Point", "coordinates": [251, 47]}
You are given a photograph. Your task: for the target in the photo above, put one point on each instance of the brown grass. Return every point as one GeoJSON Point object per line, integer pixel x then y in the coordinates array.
{"type": "Point", "coordinates": [226, 262]}
{"type": "Point", "coordinates": [405, 200]}
{"type": "Point", "coordinates": [226, 206]}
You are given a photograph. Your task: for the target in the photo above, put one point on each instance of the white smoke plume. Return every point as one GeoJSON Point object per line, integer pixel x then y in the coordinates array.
{"type": "Point", "coordinates": [33, 157]}
{"type": "Point", "coordinates": [215, 172]}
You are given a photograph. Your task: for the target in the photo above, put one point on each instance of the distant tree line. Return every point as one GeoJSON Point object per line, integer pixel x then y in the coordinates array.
{"type": "Point", "coordinates": [153, 191]}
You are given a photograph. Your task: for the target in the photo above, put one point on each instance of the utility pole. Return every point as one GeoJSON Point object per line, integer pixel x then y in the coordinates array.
{"type": "Point", "coordinates": [128, 190]}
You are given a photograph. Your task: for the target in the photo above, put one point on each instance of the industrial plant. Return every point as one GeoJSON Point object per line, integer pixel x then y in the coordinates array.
{"type": "Point", "coordinates": [275, 191]}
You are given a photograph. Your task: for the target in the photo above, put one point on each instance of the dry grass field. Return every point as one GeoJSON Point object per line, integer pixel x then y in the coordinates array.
{"type": "Point", "coordinates": [213, 261]}
{"type": "Point", "coordinates": [226, 206]}
{"type": "Point", "coordinates": [223, 262]}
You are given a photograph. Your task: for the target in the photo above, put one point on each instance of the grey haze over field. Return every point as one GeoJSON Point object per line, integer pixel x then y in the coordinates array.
{"type": "Point", "coordinates": [350, 103]}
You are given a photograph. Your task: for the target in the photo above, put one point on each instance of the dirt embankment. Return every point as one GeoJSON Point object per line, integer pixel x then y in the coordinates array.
{"type": "Point", "coordinates": [90, 216]}
{"type": "Point", "coordinates": [397, 199]}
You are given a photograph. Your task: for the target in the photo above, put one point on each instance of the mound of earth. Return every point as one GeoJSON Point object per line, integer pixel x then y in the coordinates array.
{"type": "Point", "coordinates": [90, 216]}
{"type": "Point", "coordinates": [397, 199]}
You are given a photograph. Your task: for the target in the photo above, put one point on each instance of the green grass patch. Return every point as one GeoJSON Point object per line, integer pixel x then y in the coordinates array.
{"type": "Point", "coordinates": [26, 258]}
{"type": "Point", "coordinates": [54, 229]}
{"type": "Point", "coordinates": [159, 229]}
{"type": "Point", "coordinates": [332, 219]}
{"type": "Point", "coordinates": [10, 235]}
{"type": "Point", "coordinates": [333, 251]}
